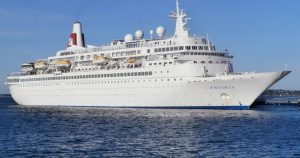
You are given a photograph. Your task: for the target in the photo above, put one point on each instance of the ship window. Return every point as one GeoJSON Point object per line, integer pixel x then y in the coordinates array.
{"type": "Point", "coordinates": [195, 62]}
{"type": "Point", "coordinates": [142, 73]}
{"type": "Point", "coordinates": [146, 73]}
{"type": "Point", "coordinates": [170, 62]}
{"type": "Point", "coordinates": [155, 63]}
{"type": "Point", "coordinates": [148, 51]}
{"type": "Point", "coordinates": [192, 53]}
{"type": "Point", "coordinates": [155, 50]}
{"type": "Point", "coordinates": [163, 49]}
{"type": "Point", "coordinates": [139, 73]}
{"type": "Point", "coordinates": [171, 48]}
{"type": "Point", "coordinates": [188, 47]}
{"type": "Point", "coordinates": [160, 63]}
{"type": "Point", "coordinates": [128, 74]}
{"type": "Point", "coordinates": [202, 62]}
{"type": "Point", "coordinates": [159, 50]}
{"type": "Point", "coordinates": [210, 62]}
{"type": "Point", "coordinates": [150, 63]}
{"type": "Point", "coordinates": [167, 49]}
{"type": "Point", "coordinates": [194, 47]}
{"type": "Point", "coordinates": [135, 74]}
{"type": "Point", "coordinates": [181, 48]}
{"type": "Point", "coordinates": [206, 47]}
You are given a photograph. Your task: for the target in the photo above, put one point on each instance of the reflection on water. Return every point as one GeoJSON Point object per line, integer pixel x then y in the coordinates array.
{"type": "Point", "coordinates": [77, 131]}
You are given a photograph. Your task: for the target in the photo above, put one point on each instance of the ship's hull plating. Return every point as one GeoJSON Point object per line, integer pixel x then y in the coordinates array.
{"type": "Point", "coordinates": [225, 92]}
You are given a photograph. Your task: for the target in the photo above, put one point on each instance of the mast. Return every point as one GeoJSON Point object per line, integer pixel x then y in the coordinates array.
{"type": "Point", "coordinates": [181, 21]}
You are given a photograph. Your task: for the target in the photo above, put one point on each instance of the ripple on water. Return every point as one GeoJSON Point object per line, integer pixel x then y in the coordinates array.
{"type": "Point", "coordinates": [79, 132]}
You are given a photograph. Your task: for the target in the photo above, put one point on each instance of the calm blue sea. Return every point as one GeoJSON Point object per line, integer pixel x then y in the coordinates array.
{"type": "Point", "coordinates": [265, 131]}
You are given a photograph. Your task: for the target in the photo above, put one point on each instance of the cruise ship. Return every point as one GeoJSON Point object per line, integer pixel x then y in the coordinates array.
{"type": "Point", "coordinates": [180, 71]}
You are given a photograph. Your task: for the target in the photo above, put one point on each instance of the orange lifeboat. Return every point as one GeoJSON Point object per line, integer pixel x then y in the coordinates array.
{"type": "Point", "coordinates": [63, 63]}
{"type": "Point", "coordinates": [41, 65]}
{"type": "Point", "coordinates": [131, 61]}
{"type": "Point", "coordinates": [99, 59]}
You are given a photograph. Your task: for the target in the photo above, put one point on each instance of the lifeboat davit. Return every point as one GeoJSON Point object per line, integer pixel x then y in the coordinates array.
{"type": "Point", "coordinates": [100, 59]}
{"type": "Point", "coordinates": [41, 65]}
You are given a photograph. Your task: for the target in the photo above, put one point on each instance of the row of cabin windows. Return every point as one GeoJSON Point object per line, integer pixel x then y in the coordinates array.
{"type": "Point", "coordinates": [66, 53]}
{"type": "Point", "coordinates": [104, 82]}
{"type": "Point", "coordinates": [12, 80]}
{"type": "Point", "coordinates": [199, 47]}
{"type": "Point", "coordinates": [126, 53]}
{"type": "Point", "coordinates": [148, 73]}
{"type": "Point", "coordinates": [183, 48]}
{"type": "Point", "coordinates": [168, 49]}
{"type": "Point", "coordinates": [211, 54]}
{"type": "Point", "coordinates": [211, 62]}
{"type": "Point", "coordinates": [164, 63]}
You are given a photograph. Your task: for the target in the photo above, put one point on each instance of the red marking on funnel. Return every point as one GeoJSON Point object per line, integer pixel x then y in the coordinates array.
{"type": "Point", "coordinates": [73, 40]}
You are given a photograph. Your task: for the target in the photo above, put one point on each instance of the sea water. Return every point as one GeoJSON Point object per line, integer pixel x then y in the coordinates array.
{"type": "Point", "coordinates": [264, 131]}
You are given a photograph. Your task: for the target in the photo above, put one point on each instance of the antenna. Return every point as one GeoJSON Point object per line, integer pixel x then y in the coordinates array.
{"type": "Point", "coordinates": [151, 34]}
{"type": "Point", "coordinates": [177, 7]}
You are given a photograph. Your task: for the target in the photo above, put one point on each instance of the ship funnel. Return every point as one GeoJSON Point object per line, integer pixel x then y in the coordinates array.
{"type": "Point", "coordinates": [76, 37]}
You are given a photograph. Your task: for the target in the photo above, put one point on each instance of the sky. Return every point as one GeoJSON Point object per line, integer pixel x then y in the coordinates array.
{"type": "Point", "coordinates": [263, 35]}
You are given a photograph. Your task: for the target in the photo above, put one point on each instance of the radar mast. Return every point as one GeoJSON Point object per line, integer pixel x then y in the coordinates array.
{"type": "Point", "coordinates": [181, 21]}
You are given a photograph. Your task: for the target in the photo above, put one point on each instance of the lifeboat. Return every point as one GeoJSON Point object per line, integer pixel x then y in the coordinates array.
{"type": "Point", "coordinates": [100, 59]}
{"type": "Point", "coordinates": [131, 61]}
{"type": "Point", "coordinates": [41, 65]}
{"type": "Point", "coordinates": [28, 67]}
{"type": "Point", "coordinates": [63, 64]}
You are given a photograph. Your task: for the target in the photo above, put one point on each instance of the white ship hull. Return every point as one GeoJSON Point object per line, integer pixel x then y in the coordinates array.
{"type": "Point", "coordinates": [229, 92]}
{"type": "Point", "coordinates": [182, 71]}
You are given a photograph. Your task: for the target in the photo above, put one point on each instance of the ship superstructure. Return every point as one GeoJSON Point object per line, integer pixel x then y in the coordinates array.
{"type": "Point", "coordinates": [180, 71]}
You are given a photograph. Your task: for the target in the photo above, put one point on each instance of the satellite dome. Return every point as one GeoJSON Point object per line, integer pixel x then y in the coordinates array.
{"type": "Point", "coordinates": [128, 38]}
{"type": "Point", "coordinates": [139, 34]}
{"type": "Point", "coordinates": [160, 31]}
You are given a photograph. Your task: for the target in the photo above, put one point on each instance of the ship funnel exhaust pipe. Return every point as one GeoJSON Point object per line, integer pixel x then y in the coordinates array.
{"type": "Point", "coordinates": [76, 37]}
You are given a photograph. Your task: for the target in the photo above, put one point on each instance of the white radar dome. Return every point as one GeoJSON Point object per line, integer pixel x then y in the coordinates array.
{"type": "Point", "coordinates": [160, 31]}
{"type": "Point", "coordinates": [139, 34]}
{"type": "Point", "coordinates": [128, 38]}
